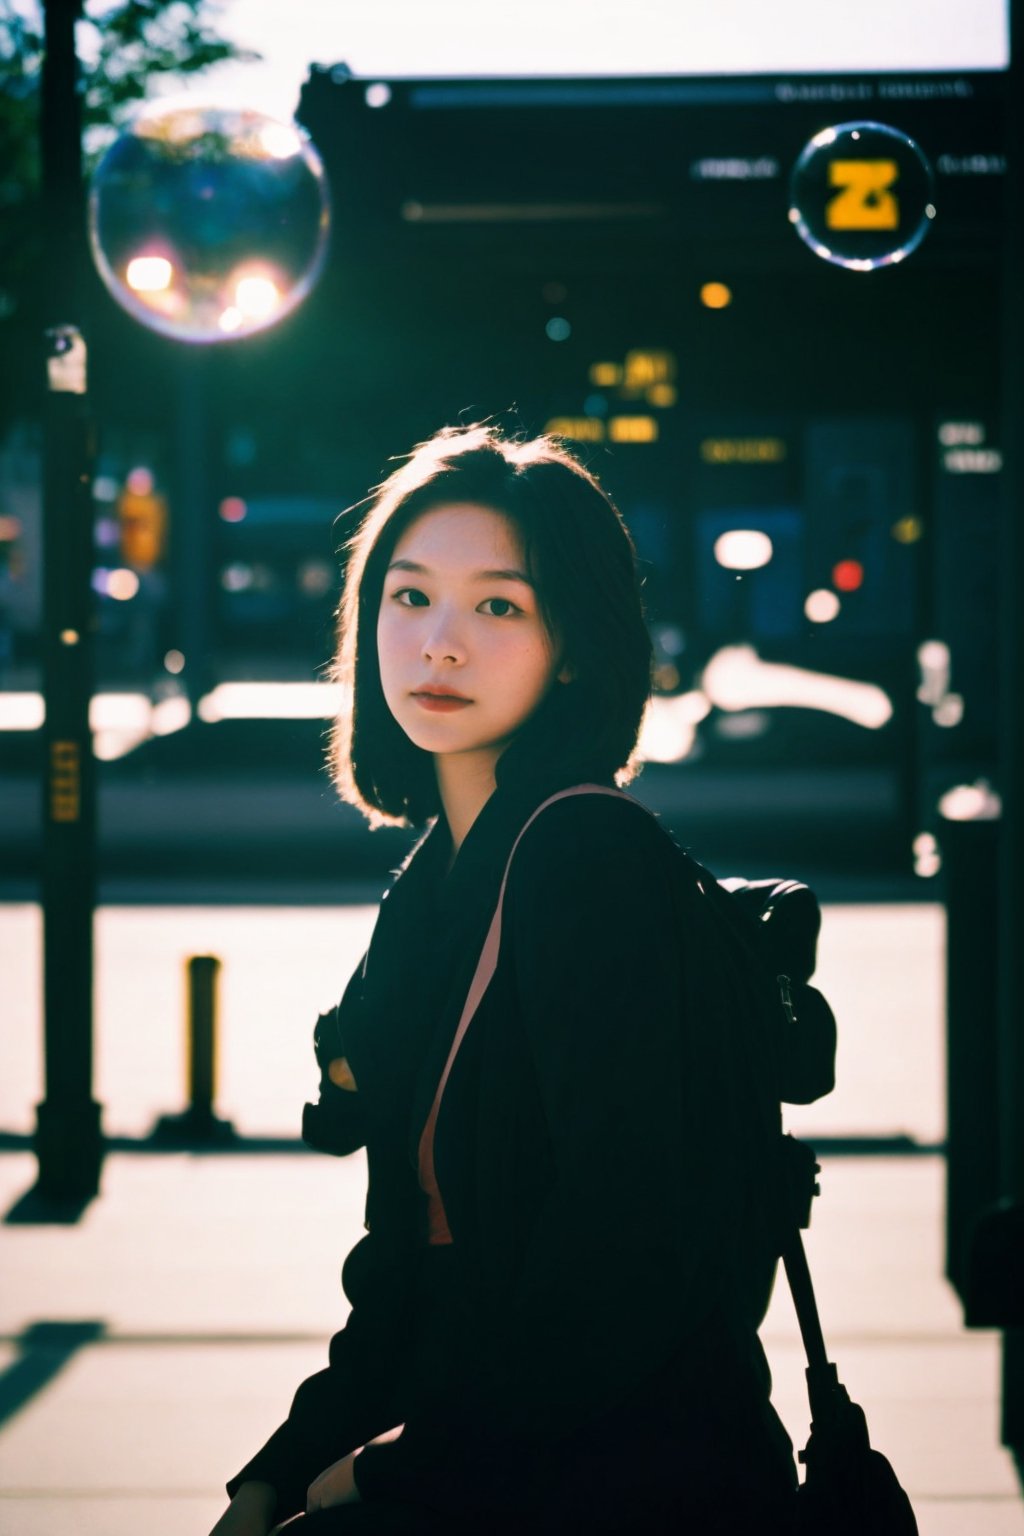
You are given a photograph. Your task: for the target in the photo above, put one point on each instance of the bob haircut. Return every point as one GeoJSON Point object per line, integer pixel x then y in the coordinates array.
{"type": "Point", "coordinates": [582, 561]}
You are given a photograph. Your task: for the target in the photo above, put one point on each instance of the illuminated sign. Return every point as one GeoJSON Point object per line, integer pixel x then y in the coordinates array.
{"type": "Point", "coordinates": [971, 165]}
{"type": "Point", "coordinates": [633, 429]}
{"type": "Point", "coordinates": [646, 374]}
{"type": "Point", "coordinates": [864, 199]}
{"type": "Point", "coordinates": [583, 429]}
{"type": "Point", "coordinates": [735, 169]}
{"type": "Point", "coordinates": [964, 450]}
{"type": "Point", "coordinates": [972, 461]}
{"type": "Point", "coordinates": [642, 369]}
{"type": "Point", "coordinates": [743, 450]}
{"type": "Point", "coordinates": [956, 434]}
{"type": "Point", "coordinates": [143, 527]}
{"type": "Point", "coordinates": [65, 781]}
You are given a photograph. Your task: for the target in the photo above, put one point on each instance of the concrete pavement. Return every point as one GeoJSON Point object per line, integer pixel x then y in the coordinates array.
{"type": "Point", "coordinates": [147, 1349]}
{"type": "Point", "coordinates": [881, 965]}
{"type": "Point", "coordinates": [150, 1348]}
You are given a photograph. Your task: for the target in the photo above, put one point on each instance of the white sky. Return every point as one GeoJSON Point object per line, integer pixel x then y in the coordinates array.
{"type": "Point", "coordinates": [552, 37]}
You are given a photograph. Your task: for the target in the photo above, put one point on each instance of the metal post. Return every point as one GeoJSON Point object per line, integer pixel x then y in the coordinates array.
{"type": "Point", "coordinates": [68, 1139]}
{"type": "Point", "coordinates": [1011, 881]}
{"type": "Point", "coordinates": [198, 1125]}
{"type": "Point", "coordinates": [192, 531]}
{"type": "Point", "coordinates": [970, 861]}
{"type": "Point", "coordinates": [203, 972]}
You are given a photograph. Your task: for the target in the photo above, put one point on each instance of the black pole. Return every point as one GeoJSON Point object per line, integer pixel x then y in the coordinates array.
{"type": "Point", "coordinates": [203, 972]}
{"type": "Point", "coordinates": [68, 1139]}
{"type": "Point", "coordinates": [970, 860]}
{"type": "Point", "coordinates": [1011, 874]}
{"type": "Point", "coordinates": [192, 532]}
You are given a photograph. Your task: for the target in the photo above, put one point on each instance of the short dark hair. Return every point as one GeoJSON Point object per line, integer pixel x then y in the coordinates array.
{"type": "Point", "coordinates": [582, 561]}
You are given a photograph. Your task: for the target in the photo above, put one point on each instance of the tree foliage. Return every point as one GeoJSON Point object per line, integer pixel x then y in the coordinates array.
{"type": "Point", "coordinates": [125, 48]}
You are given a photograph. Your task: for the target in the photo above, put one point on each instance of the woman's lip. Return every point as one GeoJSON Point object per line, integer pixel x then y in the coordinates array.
{"type": "Point", "coordinates": [440, 700]}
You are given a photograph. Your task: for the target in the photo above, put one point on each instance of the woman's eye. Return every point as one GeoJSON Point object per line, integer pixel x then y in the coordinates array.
{"type": "Point", "coordinates": [412, 597]}
{"type": "Point", "coordinates": [507, 607]}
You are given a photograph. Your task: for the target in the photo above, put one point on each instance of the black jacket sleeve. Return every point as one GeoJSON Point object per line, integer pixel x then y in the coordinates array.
{"type": "Point", "coordinates": [333, 1412]}
{"type": "Point", "coordinates": [609, 1283]}
{"type": "Point", "coordinates": [342, 1406]}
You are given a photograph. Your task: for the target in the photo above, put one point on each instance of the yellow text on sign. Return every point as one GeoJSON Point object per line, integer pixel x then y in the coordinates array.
{"type": "Point", "coordinates": [864, 200]}
{"type": "Point", "coordinates": [65, 781]}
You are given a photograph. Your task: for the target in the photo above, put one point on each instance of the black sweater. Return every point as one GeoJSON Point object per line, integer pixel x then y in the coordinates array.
{"type": "Point", "coordinates": [586, 1155]}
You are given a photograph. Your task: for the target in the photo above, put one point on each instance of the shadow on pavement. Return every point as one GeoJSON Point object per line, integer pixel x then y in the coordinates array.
{"type": "Point", "coordinates": [46, 1348]}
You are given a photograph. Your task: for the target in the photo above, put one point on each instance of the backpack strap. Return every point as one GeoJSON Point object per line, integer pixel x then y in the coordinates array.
{"type": "Point", "coordinates": [437, 1222]}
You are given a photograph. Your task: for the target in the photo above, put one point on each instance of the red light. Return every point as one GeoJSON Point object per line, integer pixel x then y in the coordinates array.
{"type": "Point", "coordinates": [848, 575]}
{"type": "Point", "coordinates": [232, 509]}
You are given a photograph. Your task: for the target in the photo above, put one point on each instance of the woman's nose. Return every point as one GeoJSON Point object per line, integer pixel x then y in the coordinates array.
{"type": "Point", "coordinates": [442, 642]}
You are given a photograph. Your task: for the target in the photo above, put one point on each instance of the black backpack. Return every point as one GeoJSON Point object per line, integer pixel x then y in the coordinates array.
{"type": "Point", "coordinates": [849, 1489]}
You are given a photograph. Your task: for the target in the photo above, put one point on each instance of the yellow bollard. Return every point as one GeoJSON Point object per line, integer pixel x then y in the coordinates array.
{"type": "Point", "coordinates": [201, 1050]}
{"type": "Point", "coordinates": [198, 1125]}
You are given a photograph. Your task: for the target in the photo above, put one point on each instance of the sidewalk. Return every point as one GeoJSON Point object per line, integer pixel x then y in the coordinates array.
{"type": "Point", "coordinates": [150, 1349]}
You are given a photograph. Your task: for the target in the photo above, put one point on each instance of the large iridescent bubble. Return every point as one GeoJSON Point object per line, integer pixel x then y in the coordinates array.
{"type": "Point", "coordinates": [209, 223]}
{"type": "Point", "coordinates": [861, 195]}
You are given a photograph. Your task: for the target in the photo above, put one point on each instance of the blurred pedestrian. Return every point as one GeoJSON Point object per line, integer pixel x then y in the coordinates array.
{"type": "Point", "coordinates": [554, 1310]}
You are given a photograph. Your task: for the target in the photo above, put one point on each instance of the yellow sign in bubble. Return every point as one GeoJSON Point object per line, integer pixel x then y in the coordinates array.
{"type": "Point", "coordinates": [864, 199]}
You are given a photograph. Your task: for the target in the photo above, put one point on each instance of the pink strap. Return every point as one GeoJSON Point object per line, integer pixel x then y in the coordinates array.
{"type": "Point", "coordinates": [438, 1231]}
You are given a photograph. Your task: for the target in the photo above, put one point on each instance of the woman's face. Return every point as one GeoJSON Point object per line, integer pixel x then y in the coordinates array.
{"type": "Point", "coordinates": [458, 614]}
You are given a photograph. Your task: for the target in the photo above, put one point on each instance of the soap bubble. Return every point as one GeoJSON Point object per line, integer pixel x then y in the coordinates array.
{"type": "Point", "coordinates": [861, 195]}
{"type": "Point", "coordinates": [209, 223]}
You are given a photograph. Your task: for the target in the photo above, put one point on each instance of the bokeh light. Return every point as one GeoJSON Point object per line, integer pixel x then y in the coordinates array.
{"type": "Point", "coordinates": [822, 606]}
{"type": "Point", "coordinates": [139, 481]}
{"type": "Point", "coordinates": [209, 223]}
{"type": "Point", "coordinates": [122, 585]}
{"type": "Point", "coordinates": [907, 530]}
{"type": "Point", "coordinates": [861, 195]}
{"type": "Point", "coordinates": [743, 549]}
{"type": "Point", "coordinates": [716, 295]}
{"type": "Point", "coordinates": [848, 576]}
{"type": "Point", "coordinates": [149, 274]}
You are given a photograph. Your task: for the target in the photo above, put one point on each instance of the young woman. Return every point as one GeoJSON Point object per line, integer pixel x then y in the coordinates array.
{"type": "Point", "coordinates": [551, 1310]}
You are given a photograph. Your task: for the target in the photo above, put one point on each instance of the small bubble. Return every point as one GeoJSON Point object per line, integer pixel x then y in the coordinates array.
{"type": "Point", "coordinates": [861, 195]}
